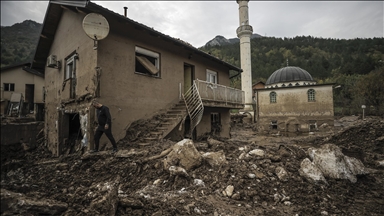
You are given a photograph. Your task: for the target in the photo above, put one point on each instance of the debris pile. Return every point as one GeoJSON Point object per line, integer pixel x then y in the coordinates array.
{"type": "Point", "coordinates": [246, 175]}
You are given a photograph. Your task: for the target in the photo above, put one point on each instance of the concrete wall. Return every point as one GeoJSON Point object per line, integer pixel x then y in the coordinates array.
{"type": "Point", "coordinates": [20, 78]}
{"type": "Point", "coordinates": [292, 107]}
{"type": "Point", "coordinates": [14, 133]}
{"type": "Point", "coordinates": [69, 38]}
{"type": "Point", "coordinates": [205, 124]}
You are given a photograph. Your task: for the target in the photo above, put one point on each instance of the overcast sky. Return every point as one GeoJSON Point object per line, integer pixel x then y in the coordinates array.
{"type": "Point", "coordinates": [197, 22]}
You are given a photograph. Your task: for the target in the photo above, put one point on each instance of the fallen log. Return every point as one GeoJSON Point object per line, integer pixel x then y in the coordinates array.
{"type": "Point", "coordinates": [163, 153]}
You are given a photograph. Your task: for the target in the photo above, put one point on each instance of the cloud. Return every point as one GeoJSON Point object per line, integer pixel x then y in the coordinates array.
{"type": "Point", "coordinates": [17, 11]}
{"type": "Point", "coordinates": [197, 22]}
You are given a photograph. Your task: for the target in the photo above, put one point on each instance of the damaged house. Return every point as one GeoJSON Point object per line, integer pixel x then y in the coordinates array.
{"type": "Point", "coordinates": [291, 101]}
{"type": "Point", "coordinates": [22, 91]}
{"type": "Point", "coordinates": [135, 70]}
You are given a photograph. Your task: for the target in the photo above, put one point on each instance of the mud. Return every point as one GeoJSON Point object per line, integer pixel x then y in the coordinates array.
{"type": "Point", "coordinates": [129, 183]}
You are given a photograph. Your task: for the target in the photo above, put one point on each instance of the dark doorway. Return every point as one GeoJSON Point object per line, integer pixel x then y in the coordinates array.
{"type": "Point", "coordinates": [70, 133]}
{"type": "Point", "coordinates": [189, 71]}
{"type": "Point", "coordinates": [29, 96]}
{"type": "Point", "coordinates": [187, 131]}
{"type": "Point", "coordinates": [215, 123]}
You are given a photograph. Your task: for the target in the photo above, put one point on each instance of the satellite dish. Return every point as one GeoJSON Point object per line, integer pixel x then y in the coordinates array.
{"type": "Point", "coordinates": [96, 26]}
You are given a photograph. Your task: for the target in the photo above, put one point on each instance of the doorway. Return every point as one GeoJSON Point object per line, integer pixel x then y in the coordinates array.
{"type": "Point", "coordinates": [29, 97]}
{"type": "Point", "coordinates": [189, 76]}
{"type": "Point", "coordinates": [70, 134]}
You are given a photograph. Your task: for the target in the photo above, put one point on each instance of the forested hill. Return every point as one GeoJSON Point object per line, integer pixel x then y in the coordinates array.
{"type": "Point", "coordinates": [320, 57]}
{"type": "Point", "coordinates": [18, 42]}
{"type": "Point", "coordinates": [356, 66]}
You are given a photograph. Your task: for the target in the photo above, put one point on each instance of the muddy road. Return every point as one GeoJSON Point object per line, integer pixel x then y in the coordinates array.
{"type": "Point", "coordinates": [248, 174]}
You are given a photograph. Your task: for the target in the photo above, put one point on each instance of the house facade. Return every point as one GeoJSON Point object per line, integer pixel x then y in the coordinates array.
{"type": "Point", "coordinates": [136, 71]}
{"type": "Point", "coordinates": [20, 78]}
{"type": "Point", "coordinates": [292, 101]}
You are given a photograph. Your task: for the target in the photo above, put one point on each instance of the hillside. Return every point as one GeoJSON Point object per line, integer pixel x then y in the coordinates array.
{"type": "Point", "coordinates": [320, 57]}
{"type": "Point", "coordinates": [18, 42]}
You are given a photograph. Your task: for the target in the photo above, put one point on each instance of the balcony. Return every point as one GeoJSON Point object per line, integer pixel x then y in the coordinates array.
{"type": "Point", "coordinates": [214, 95]}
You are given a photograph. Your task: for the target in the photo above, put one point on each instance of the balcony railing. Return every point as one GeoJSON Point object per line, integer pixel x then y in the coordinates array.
{"type": "Point", "coordinates": [219, 95]}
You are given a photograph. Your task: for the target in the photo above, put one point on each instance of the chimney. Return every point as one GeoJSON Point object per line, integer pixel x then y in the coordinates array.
{"type": "Point", "coordinates": [125, 11]}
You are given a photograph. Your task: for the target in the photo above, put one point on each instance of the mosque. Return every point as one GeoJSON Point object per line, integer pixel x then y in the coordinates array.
{"type": "Point", "coordinates": [290, 100]}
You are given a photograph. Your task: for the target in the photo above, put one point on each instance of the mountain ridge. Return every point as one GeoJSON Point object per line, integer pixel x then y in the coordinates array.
{"type": "Point", "coordinates": [221, 40]}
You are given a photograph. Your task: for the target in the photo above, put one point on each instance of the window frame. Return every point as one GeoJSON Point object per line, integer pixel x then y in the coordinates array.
{"type": "Point", "coordinates": [10, 87]}
{"type": "Point", "coordinates": [273, 97]}
{"type": "Point", "coordinates": [70, 73]}
{"type": "Point", "coordinates": [210, 74]}
{"type": "Point", "coordinates": [311, 95]}
{"type": "Point", "coordinates": [151, 57]}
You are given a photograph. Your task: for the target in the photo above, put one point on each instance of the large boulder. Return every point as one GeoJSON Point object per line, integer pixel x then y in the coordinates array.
{"type": "Point", "coordinates": [311, 172]}
{"type": "Point", "coordinates": [183, 154]}
{"type": "Point", "coordinates": [334, 164]}
{"type": "Point", "coordinates": [215, 159]}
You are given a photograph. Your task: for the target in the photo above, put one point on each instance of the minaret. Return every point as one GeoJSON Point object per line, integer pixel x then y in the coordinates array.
{"type": "Point", "coordinates": [244, 32]}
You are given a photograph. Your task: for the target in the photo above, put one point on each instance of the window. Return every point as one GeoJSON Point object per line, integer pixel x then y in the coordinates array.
{"type": "Point", "coordinates": [272, 97]}
{"type": "Point", "coordinates": [312, 125]}
{"type": "Point", "coordinates": [70, 67]}
{"type": "Point", "coordinates": [43, 94]}
{"type": "Point", "coordinates": [211, 76]}
{"type": "Point", "coordinates": [147, 62]}
{"type": "Point", "coordinates": [274, 124]}
{"type": "Point", "coordinates": [311, 95]}
{"type": "Point", "coordinates": [70, 73]}
{"type": "Point", "coordinates": [9, 86]}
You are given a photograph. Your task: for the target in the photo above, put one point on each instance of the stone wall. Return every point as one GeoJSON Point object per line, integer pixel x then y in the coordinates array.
{"type": "Point", "coordinates": [14, 133]}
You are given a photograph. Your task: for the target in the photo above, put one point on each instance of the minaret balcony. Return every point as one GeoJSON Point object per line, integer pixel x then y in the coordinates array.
{"type": "Point", "coordinates": [244, 30]}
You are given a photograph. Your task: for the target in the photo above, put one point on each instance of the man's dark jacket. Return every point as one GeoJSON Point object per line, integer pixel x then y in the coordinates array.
{"type": "Point", "coordinates": [103, 116]}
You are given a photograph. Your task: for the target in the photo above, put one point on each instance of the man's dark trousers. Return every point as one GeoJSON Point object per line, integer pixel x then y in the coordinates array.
{"type": "Point", "coordinates": [108, 132]}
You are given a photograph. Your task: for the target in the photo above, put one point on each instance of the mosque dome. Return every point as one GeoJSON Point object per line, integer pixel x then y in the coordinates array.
{"type": "Point", "coordinates": [289, 74]}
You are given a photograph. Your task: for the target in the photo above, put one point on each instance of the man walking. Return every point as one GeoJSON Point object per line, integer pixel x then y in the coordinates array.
{"type": "Point", "coordinates": [105, 126]}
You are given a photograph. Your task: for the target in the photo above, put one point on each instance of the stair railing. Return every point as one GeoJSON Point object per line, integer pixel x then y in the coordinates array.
{"type": "Point", "coordinates": [194, 106]}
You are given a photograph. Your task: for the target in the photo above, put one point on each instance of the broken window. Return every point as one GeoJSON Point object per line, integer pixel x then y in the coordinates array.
{"type": "Point", "coordinates": [70, 67]}
{"type": "Point", "coordinates": [311, 95]}
{"type": "Point", "coordinates": [274, 124]}
{"type": "Point", "coordinates": [70, 73]}
{"type": "Point", "coordinates": [272, 97]}
{"type": "Point", "coordinates": [211, 76]}
{"type": "Point", "coordinates": [312, 125]}
{"type": "Point", "coordinates": [147, 62]}
{"type": "Point", "coordinates": [9, 86]}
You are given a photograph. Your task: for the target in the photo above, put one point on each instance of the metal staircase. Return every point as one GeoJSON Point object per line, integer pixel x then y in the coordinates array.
{"type": "Point", "coordinates": [167, 123]}
{"type": "Point", "coordinates": [194, 106]}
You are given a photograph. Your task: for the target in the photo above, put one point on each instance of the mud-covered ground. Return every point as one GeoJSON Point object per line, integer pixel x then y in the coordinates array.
{"type": "Point", "coordinates": [132, 183]}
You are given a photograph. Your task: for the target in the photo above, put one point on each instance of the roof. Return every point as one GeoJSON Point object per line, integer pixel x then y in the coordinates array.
{"type": "Point", "coordinates": [288, 74]}
{"type": "Point", "coordinates": [52, 19]}
{"type": "Point", "coordinates": [15, 65]}
{"type": "Point", "coordinates": [300, 86]}
{"type": "Point", "coordinates": [260, 82]}
{"type": "Point", "coordinates": [25, 67]}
